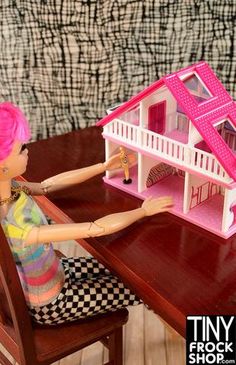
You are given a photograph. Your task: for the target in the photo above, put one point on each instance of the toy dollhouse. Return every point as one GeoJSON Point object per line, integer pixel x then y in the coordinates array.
{"type": "Point", "coordinates": [183, 130]}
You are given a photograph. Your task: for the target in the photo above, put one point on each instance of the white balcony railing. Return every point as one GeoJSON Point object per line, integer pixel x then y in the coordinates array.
{"type": "Point", "coordinates": [166, 148]}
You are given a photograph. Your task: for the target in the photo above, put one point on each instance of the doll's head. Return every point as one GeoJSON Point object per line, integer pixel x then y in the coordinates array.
{"type": "Point", "coordinates": [13, 127]}
{"type": "Point", "coordinates": [14, 132]}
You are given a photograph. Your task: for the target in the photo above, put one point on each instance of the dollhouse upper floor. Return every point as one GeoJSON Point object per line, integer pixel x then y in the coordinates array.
{"type": "Point", "coordinates": [186, 118]}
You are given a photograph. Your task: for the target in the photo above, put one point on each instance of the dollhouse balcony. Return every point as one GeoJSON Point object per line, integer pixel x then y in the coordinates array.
{"type": "Point", "coordinates": [166, 149]}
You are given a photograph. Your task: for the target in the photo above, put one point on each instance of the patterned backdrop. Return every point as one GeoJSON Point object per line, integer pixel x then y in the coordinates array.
{"type": "Point", "coordinates": [66, 61]}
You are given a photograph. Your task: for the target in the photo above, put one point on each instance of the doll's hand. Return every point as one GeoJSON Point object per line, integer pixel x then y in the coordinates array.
{"type": "Point", "coordinates": [114, 162]}
{"type": "Point", "coordinates": [153, 206]}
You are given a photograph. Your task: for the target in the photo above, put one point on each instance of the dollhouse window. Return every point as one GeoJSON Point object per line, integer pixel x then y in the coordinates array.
{"type": "Point", "coordinates": [228, 132]}
{"type": "Point", "coordinates": [196, 88]}
{"type": "Point", "coordinates": [182, 123]}
{"type": "Point", "coordinates": [131, 116]}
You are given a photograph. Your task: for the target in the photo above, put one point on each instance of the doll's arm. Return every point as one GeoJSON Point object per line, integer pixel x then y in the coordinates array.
{"type": "Point", "coordinates": [64, 179]}
{"type": "Point", "coordinates": [106, 225]}
{"type": "Point", "coordinates": [73, 177]}
{"type": "Point", "coordinates": [115, 222]}
{"type": "Point", "coordinates": [68, 178]}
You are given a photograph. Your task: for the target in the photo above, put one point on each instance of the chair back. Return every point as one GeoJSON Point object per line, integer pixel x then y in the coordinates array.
{"type": "Point", "coordinates": [15, 324]}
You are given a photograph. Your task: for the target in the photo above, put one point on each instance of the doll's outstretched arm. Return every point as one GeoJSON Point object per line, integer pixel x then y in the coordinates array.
{"type": "Point", "coordinates": [73, 177]}
{"type": "Point", "coordinates": [101, 227]}
{"type": "Point", "coordinates": [63, 180]}
{"type": "Point", "coordinates": [115, 222]}
{"type": "Point", "coordinates": [68, 178]}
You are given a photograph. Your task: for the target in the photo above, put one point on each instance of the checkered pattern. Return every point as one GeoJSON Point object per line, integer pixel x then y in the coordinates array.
{"type": "Point", "coordinates": [89, 289]}
{"type": "Point", "coordinates": [66, 62]}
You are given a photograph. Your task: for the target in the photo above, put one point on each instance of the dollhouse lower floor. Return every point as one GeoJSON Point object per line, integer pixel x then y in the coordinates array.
{"type": "Point", "coordinates": [207, 214]}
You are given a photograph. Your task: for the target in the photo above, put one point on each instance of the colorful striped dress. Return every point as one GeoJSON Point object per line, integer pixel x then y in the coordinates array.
{"type": "Point", "coordinates": [40, 271]}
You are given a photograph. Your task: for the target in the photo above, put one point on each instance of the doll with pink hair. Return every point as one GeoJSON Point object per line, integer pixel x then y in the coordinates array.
{"type": "Point", "coordinates": [57, 290]}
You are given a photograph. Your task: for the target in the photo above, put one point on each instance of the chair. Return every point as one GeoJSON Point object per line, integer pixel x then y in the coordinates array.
{"type": "Point", "coordinates": [33, 344]}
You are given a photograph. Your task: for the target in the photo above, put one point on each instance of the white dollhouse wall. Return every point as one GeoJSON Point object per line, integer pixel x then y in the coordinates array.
{"type": "Point", "coordinates": [186, 199]}
{"type": "Point", "coordinates": [194, 135]}
{"type": "Point", "coordinates": [228, 215]}
{"type": "Point", "coordinates": [110, 148]}
{"type": "Point", "coordinates": [145, 164]}
{"type": "Point", "coordinates": [163, 94]}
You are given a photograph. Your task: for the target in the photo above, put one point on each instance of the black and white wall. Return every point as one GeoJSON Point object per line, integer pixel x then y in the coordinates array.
{"type": "Point", "coordinates": [66, 61]}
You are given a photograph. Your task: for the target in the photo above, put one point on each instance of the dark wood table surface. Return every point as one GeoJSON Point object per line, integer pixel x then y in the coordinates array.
{"type": "Point", "coordinates": [177, 268]}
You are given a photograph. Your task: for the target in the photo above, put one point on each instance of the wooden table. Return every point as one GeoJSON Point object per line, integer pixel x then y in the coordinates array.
{"type": "Point", "coordinates": [177, 268]}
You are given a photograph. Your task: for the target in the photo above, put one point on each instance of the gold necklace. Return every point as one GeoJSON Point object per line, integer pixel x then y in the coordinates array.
{"type": "Point", "coordinates": [15, 192]}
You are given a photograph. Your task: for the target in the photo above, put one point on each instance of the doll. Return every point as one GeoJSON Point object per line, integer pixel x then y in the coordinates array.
{"type": "Point", "coordinates": [57, 290]}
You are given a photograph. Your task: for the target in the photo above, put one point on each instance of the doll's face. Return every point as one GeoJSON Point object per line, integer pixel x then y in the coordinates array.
{"type": "Point", "coordinates": [16, 162]}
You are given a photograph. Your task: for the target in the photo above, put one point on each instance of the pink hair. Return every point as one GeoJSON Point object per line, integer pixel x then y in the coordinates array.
{"type": "Point", "coordinates": [13, 127]}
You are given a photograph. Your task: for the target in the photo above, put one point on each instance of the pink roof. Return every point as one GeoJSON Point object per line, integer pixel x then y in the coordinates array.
{"type": "Point", "coordinates": [203, 115]}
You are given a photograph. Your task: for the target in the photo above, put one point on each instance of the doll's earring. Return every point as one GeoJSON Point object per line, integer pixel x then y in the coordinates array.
{"type": "Point", "coordinates": [5, 170]}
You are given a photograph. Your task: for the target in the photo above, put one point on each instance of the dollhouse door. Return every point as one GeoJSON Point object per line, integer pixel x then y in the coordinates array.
{"type": "Point", "coordinates": [157, 117]}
